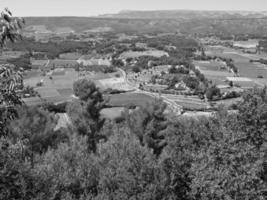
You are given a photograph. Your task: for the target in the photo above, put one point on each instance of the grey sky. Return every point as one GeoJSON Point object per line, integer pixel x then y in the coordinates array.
{"type": "Point", "coordinates": [95, 7]}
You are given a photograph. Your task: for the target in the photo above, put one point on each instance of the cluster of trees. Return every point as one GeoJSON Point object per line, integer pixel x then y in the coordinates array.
{"type": "Point", "coordinates": [23, 62]}
{"type": "Point", "coordinates": [146, 155]}
{"type": "Point", "coordinates": [96, 68]}
{"type": "Point", "coordinates": [51, 49]}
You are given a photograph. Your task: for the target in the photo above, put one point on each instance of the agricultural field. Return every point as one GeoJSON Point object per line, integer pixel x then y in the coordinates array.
{"type": "Point", "coordinates": [11, 54]}
{"type": "Point", "coordinates": [63, 30]}
{"type": "Point", "coordinates": [213, 72]}
{"type": "Point", "coordinates": [127, 99]}
{"type": "Point", "coordinates": [246, 69]}
{"type": "Point", "coordinates": [70, 56]}
{"type": "Point", "coordinates": [57, 84]}
{"type": "Point", "coordinates": [58, 88]}
{"type": "Point", "coordinates": [210, 65]}
{"type": "Point", "coordinates": [112, 113]}
{"type": "Point", "coordinates": [62, 63]}
{"type": "Point", "coordinates": [31, 74]}
{"type": "Point", "coordinates": [243, 82]}
{"type": "Point", "coordinates": [188, 102]}
{"type": "Point", "coordinates": [136, 54]}
{"type": "Point", "coordinates": [39, 63]}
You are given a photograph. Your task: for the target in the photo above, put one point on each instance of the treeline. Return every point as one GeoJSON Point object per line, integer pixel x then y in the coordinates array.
{"type": "Point", "coordinates": [51, 49]}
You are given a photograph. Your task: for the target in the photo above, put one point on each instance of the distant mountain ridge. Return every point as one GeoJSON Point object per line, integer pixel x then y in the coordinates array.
{"type": "Point", "coordinates": [185, 14]}
{"type": "Point", "coordinates": [185, 21]}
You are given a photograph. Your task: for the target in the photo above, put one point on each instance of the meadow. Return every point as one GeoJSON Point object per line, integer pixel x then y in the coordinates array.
{"type": "Point", "coordinates": [136, 54]}
{"type": "Point", "coordinates": [128, 99]}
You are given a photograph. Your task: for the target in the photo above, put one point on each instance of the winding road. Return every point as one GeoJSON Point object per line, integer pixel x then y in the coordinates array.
{"type": "Point", "coordinates": [172, 105]}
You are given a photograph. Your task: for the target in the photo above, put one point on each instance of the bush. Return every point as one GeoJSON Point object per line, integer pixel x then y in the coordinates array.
{"type": "Point", "coordinates": [212, 92]}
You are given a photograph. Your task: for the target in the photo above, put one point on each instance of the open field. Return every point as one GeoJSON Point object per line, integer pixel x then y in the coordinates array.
{"type": "Point", "coordinates": [210, 65]}
{"type": "Point", "coordinates": [122, 100]}
{"type": "Point", "coordinates": [112, 113]}
{"type": "Point", "coordinates": [57, 89]}
{"type": "Point", "coordinates": [31, 74]}
{"type": "Point", "coordinates": [11, 54]}
{"type": "Point", "coordinates": [213, 71]}
{"type": "Point", "coordinates": [62, 63]}
{"type": "Point", "coordinates": [187, 102]}
{"type": "Point", "coordinates": [241, 60]}
{"type": "Point", "coordinates": [217, 77]}
{"type": "Point", "coordinates": [228, 102]}
{"type": "Point", "coordinates": [245, 68]}
{"type": "Point", "coordinates": [70, 56]}
{"type": "Point", "coordinates": [114, 83]}
{"type": "Point", "coordinates": [136, 54]}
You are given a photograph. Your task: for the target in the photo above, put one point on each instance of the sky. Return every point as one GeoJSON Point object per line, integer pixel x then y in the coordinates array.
{"type": "Point", "coordinates": [96, 7]}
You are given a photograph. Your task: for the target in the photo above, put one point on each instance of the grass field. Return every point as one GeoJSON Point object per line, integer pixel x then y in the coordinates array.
{"type": "Point", "coordinates": [135, 54]}
{"type": "Point", "coordinates": [112, 113]}
{"type": "Point", "coordinates": [60, 86]}
{"type": "Point", "coordinates": [122, 100]}
{"type": "Point", "coordinates": [213, 72]}
{"type": "Point", "coordinates": [209, 65]}
{"type": "Point", "coordinates": [241, 61]}
{"type": "Point", "coordinates": [245, 68]}
{"type": "Point", "coordinates": [70, 56]}
{"type": "Point", "coordinates": [62, 63]}
{"type": "Point", "coordinates": [57, 89]}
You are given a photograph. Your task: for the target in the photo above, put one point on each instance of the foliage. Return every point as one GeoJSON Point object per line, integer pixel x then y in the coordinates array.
{"type": "Point", "coordinates": [253, 116]}
{"type": "Point", "coordinates": [149, 124]}
{"type": "Point", "coordinates": [85, 112]}
{"type": "Point", "coordinates": [212, 92]}
{"type": "Point", "coordinates": [10, 80]}
{"type": "Point", "coordinates": [133, 171]}
{"type": "Point", "coordinates": [67, 171]}
{"type": "Point", "coordinates": [15, 178]}
{"type": "Point", "coordinates": [23, 62]}
{"type": "Point", "coordinates": [10, 27]}
{"type": "Point", "coordinates": [34, 128]}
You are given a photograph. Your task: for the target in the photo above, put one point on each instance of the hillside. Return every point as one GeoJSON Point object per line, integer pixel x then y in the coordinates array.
{"type": "Point", "coordinates": [220, 22]}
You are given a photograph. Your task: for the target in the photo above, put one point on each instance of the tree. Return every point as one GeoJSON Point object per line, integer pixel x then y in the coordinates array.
{"type": "Point", "coordinates": [67, 171]}
{"type": "Point", "coordinates": [85, 112]}
{"type": "Point", "coordinates": [34, 128]}
{"type": "Point", "coordinates": [136, 69]}
{"type": "Point", "coordinates": [149, 124]}
{"type": "Point", "coordinates": [10, 27]}
{"type": "Point", "coordinates": [253, 116]}
{"type": "Point", "coordinates": [212, 92]}
{"type": "Point", "coordinates": [10, 80]}
{"type": "Point", "coordinates": [229, 168]}
{"type": "Point", "coordinates": [129, 170]}
{"type": "Point", "coordinates": [16, 181]}
{"type": "Point", "coordinates": [191, 82]}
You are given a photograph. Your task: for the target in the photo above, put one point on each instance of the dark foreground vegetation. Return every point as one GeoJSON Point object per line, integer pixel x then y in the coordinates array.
{"type": "Point", "coordinates": [145, 155]}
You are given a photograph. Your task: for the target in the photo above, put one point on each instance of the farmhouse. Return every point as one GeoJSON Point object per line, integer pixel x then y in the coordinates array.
{"type": "Point", "coordinates": [181, 86]}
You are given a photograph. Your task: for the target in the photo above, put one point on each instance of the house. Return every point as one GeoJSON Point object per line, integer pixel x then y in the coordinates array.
{"type": "Point", "coordinates": [181, 86]}
{"type": "Point", "coordinates": [192, 74]}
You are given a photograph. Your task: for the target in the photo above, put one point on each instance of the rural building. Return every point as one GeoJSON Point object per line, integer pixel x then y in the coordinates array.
{"type": "Point", "coordinates": [181, 86]}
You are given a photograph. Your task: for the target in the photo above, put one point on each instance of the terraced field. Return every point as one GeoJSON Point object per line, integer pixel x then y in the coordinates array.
{"type": "Point", "coordinates": [122, 100]}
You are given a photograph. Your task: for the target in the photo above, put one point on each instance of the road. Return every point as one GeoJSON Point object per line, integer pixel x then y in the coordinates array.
{"type": "Point", "coordinates": [172, 105]}
{"type": "Point", "coordinates": [46, 65]}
